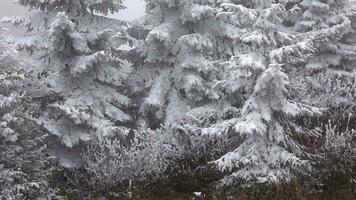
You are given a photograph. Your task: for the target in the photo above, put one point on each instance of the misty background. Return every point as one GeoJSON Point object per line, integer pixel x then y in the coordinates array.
{"type": "Point", "coordinates": [135, 9]}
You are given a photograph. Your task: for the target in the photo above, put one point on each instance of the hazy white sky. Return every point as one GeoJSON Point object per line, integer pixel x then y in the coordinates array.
{"type": "Point", "coordinates": [8, 8]}
{"type": "Point", "coordinates": [135, 9]}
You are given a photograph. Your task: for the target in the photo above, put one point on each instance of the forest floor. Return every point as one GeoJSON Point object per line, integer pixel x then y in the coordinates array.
{"type": "Point", "coordinates": [335, 188]}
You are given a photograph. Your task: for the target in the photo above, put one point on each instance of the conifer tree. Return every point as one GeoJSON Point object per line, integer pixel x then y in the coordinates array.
{"type": "Point", "coordinates": [329, 73]}
{"type": "Point", "coordinates": [329, 80]}
{"type": "Point", "coordinates": [177, 54]}
{"type": "Point", "coordinates": [23, 163]}
{"type": "Point", "coordinates": [79, 61]}
{"type": "Point", "coordinates": [269, 149]}
{"type": "Point", "coordinates": [233, 57]}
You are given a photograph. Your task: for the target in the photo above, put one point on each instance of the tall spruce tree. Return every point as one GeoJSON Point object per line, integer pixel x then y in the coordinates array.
{"type": "Point", "coordinates": [23, 162]}
{"type": "Point", "coordinates": [233, 58]}
{"type": "Point", "coordinates": [176, 71]}
{"type": "Point", "coordinates": [329, 73]}
{"type": "Point", "coordinates": [328, 79]}
{"type": "Point", "coordinates": [79, 61]}
{"type": "Point", "coordinates": [269, 149]}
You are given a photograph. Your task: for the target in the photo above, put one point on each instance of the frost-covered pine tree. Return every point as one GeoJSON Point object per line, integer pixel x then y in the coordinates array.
{"type": "Point", "coordinates": [329, 80]}
{"type": "Point", "coordinates": [10, 81]}
{"type": "Point", "coordinates": [23, 162]}
{"type": "Point", "coordinates": [258, 76]}
{"type": "Point", "coordinates": [79, 61]}
{"type": "Point", "coordinates": [329, 73]}
{"type": "Point", "coordinates": [332, 18]}
{"type": "Point", "coordinates": [231, 58]}
{"type": "Point", "coordinates": [176, 73]}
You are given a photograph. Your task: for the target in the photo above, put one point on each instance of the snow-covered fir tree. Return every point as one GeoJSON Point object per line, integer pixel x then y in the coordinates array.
{"type": "Point", "coordinates": [269, 150]}
{"type": "Point", "coordinates": [332, 18]}
{"type": "Point", "coordinates": [329, 73]}
{"type": "Point", "coordinates": [233, 58]}
{"type": "Point", "coordinates": [79, 61]}
{"type": "Point", "coordinates": [176, 73]}
{"type": "Point", "coordinates": [10, 80]}
{"type": "Point", "coordinates": [328, 80]}
{"type": "Point", "coordinates": [23, 163]}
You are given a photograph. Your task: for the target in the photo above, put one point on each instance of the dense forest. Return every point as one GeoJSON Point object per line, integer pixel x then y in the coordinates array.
{"type": "Point", "coordinates": [198, 99]}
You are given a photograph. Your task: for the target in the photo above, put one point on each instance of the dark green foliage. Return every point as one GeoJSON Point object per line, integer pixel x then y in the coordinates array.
{"type": "Point", "coordinates": [339, 185]}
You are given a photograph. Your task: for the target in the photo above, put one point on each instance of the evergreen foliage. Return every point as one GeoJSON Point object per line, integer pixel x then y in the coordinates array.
{"type": "Point", "coordinates": [23, 163]}
{"type": "Point", "coordinates": [82, 72]}
{"type": "Point", "coordinates": [202, 93]}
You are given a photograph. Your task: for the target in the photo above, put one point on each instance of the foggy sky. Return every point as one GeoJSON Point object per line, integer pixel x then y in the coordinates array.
{"type": "Point", "coordinates": [135, 9]}
{"type": "Point", "coordinates": [9, 8]}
